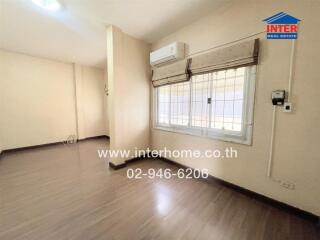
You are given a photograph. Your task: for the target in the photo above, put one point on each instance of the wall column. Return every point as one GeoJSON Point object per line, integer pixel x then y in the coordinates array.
{"type": "Point", "coordinates": [128, 100]}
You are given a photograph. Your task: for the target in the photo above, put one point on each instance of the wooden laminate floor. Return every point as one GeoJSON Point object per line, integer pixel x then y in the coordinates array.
{"type": "Point", "coordinates": [67, 192]}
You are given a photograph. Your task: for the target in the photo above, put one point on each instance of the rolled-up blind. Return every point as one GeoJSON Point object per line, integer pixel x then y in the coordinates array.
{"type": "Point", "coordinates": [241, 54]}
{"type": "Point", "coordinates": [172, 73]}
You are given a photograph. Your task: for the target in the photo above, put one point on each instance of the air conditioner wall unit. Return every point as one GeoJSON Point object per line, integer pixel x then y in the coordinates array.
{"type": "Point", "coordinates": [172, 52]}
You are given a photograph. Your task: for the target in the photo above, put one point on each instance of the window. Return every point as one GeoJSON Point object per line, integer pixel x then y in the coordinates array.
{"type": "Point", "coordinates": [173, 104]}
{"type": "Point", "coordinates": [217, 105]}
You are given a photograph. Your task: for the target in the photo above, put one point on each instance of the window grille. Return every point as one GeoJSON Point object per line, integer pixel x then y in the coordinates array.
{"type": "Point", "coordinates": [217, 104]}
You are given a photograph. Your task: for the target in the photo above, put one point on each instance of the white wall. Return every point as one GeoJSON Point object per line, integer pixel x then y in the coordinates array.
{"type": "Point", "coordinates": [129, 92]}
{"type": "Point", "coordinates": [38, 102]}
{"type": "Point", "coordinates": [296, 159]}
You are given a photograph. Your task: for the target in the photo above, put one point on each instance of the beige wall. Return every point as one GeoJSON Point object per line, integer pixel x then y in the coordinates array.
{"type": "Point", "coordinates": [129, 89]}
{"type": "Point", "coordinates": [94, 114]}
{"type": "Point", "coordinates": [38, 101]}
{"type": "Point", "coordinates": [90, 101]}
{"type": "Point", "coordinates": [106, 103]}
{"type": "Point", "coordinates": [296, 159]}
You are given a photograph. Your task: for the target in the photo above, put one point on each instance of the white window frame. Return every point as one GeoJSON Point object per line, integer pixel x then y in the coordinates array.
{"type": "Point", "coordinates": [243, 137]}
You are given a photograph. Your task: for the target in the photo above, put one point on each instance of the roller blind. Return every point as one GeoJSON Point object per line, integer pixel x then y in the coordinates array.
{"type": "Point", "coordinates": [172, 73]}
{"type": "Point", "coordinates": [238, 55]}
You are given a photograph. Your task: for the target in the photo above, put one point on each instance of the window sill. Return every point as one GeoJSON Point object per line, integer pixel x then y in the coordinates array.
{"type": "Point", "coordinates": [225, 138]}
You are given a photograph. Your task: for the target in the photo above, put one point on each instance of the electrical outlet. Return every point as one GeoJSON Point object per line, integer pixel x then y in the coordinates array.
{"type": "Point", "coordinates": [284, 184]}
{"type": "Point", "coordinates": [287, 107]}
{"type": "Point", "coordinates": [288, 185]}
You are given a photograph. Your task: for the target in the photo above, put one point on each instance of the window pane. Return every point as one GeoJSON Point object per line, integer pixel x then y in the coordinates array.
{"type": "Point", "coordinates": [227, 99]}
{"type": "Point", "coordinates": [217, 115]}
{"type": "Point", "coordinates": [215, 101]}
{"type": "Point", "coordinates": [238, 111]}
{"type": "Point", "coordinates": [163, 104]}
{"type": "Point", "coordinates": [180, 98]}
{"type": "Point", "coordinates": [200, 95]}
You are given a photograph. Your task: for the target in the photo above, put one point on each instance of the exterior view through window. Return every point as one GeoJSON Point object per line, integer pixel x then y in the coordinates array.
{"type": "Point", "coordinates": [217, 104]}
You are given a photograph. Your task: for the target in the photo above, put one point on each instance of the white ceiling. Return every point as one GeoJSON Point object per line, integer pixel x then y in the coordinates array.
{"type": "Point", "coordinates": [76, 33]}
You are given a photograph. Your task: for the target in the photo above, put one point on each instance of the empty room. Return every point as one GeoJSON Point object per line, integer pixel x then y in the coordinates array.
{"type": "Point", "coordinates": [167, 119]}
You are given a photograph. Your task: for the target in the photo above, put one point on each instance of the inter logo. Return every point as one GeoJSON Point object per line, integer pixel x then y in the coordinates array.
{"type": "Point", "coordinates": [282, 26]}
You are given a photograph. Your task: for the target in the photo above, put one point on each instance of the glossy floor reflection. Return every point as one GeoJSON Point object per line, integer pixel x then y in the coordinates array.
{"type": "Point", "coordinates": [67, 192]}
